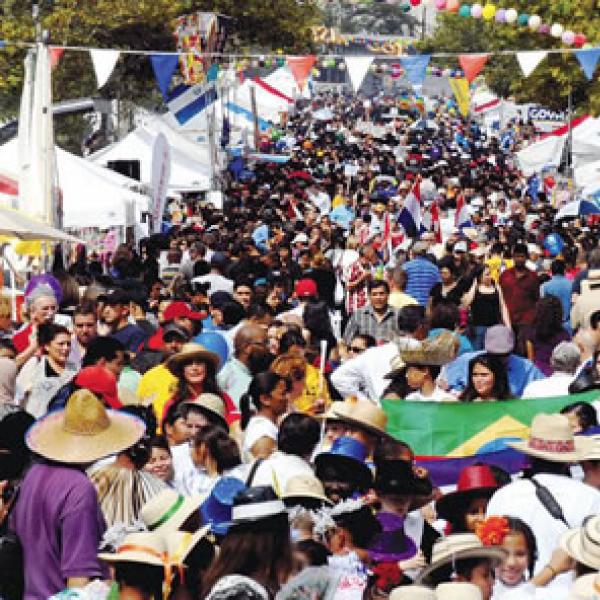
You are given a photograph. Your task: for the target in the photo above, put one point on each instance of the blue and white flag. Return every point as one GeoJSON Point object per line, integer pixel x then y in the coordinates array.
{"type": "Point", "coordinates": [185, 102]}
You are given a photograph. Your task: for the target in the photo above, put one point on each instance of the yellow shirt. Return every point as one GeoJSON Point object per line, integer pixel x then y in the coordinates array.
{"type": "Point", "coordinates": [400, 300]}
{"type": "Point", "coordinates": [311, 391]}
{"type": "Point", "coordinates": [157, 386]}
{"type": "Point", "coordinates": [497, 264]}
{"type": "Point", "coordinates": [337, 201]}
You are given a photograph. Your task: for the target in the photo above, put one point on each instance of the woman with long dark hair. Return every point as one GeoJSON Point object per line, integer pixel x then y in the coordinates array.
{"type": "Point", "coordinates": [487, 380]}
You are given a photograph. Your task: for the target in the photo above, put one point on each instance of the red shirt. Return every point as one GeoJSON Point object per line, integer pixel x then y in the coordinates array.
{"type": "Point", "coordinates": [21, 339]}
{"type": "Point", "coordinates": [520, 294]}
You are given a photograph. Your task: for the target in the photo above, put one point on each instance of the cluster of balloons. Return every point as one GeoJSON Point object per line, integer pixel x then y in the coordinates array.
{"type": "Point", "coordinates": [452, 73]}
{"type": "Point", "coordinates": [490, 12]}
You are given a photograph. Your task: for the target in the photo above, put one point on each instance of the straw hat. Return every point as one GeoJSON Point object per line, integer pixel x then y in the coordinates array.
{"type": "Point", "coordinates": [145, 547]}
{"type": "Point", "coordinates": [306, 490]}
{"type": "Point", "coordinates": [213, 405]}
{"type": "Point", "coordinates": [83, 431]}
{"type": "Point", "coordinates": [396, 365]}
{"type": "Point", "coordinates": [457, 591]}
{"type": "Point", "coordinates": [188, 353]}
{"type": "Point", "coordinates": [583, 543]}
{"type": "Point", "coordinates": [180, 543]}
{"type": "Point", "coordinates": [436, 351]}
{"type": "Point", "coordinates": [456, 547]}
{"type": "Point", "coordinates": [552, 439]}
{"type": "Point", "coordinates": [362, 414]}
{"type": "Point", "coordinates": [412, 592]}
{"type": "Point", "coordinates": [586, 587]}
{"type": "Point", "coordinates": [168, 510]}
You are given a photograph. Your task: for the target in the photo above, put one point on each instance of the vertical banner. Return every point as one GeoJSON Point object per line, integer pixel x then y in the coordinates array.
{"type": "Point", "coordinates": [357, 67]}
{"type": "Point", "coordinates": [415, 67]}
{"type": "Point", "coordinates": [161, 173]}
{"type": "Point", "coordinates": [300, 66]}
{"type": "Point", "coordinates": [460, 88]}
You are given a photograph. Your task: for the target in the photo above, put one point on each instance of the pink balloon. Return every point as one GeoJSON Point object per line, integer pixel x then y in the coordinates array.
{"type": "Point", "coordinates": [544, 29]}
{"type": "Point", "coordinates": [415, 2]}
{"type": "Point", "coordinates": [568, 38]}
{"type": "Point", "coordinates": [476, 11]}
{"type": "Point", "coordinates": [440, 4]}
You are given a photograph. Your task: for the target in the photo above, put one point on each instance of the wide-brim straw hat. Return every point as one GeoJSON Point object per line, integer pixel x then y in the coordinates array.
{"type": "Point", "coordinates": [188, 353]}
{"type": "Point", "coordinates": [143, 547]}
{"type": "Point", "coordinates": [586, 587]}
{"type": "Point", "coordinates": [84, 431]}
{"type": "Point", "coordinates": [181, 543]}
{"type": "Point", "coordinates": [457, 590]}
{"type": "Point", "coordinates": [551, 438]}
{"type": "Point", "coordinates": [459, 546]}
{"type": "Point", "coordinates": [211, 404]}
{"type": "Point", "coordinates": [169, 510]}
{"type": "Point", "coordinates": [412, 592]}
{"type": "Point", "coordinates": [436, 351]}
{"type": "Point", "coordinates": [304, 489]}
{"type": "Point", "coordinates": [583, 543]}
{"type": "Point", "coordinates": [363, 414]}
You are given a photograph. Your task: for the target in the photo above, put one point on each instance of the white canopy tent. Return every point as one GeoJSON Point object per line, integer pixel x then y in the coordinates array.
{"type": "Point", "coordinates": [92, 196]}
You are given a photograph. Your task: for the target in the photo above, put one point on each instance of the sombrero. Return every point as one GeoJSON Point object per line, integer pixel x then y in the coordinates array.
{"type": "Point", "coordinates": [168, 510]}
{"type": "Point", "coordinates": [190, 352]}
{"type": "Point", "coordinates": [145, 547]}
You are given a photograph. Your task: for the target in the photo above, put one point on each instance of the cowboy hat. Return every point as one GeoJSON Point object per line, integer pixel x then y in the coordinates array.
{"type": "Point", "coordinates": [412, 592]}
{"type": "Point", "coordinates": [211, 404]}
{"type": "Point", "coordinates": [583, 543]}
{"type": "Point", "coordinates": [305, 490]}
{"type": "Point", "coordinates": [84, 431]}
{"type": "Point", "coordinates": [551, 438]}
{"type": "Point", "coordinates": [363, 414]}
{"type": "Point", "coordinates": [456, 547]}
{"type": "Point", "coordinates": [436, 351]}
{"type": "Point", "coordinates": [475, 481]}
{"type": "Point", "coordinates": [168, 510]}
{"type": "Point", "coordinates": [143, 547]}
{"type": "Point", "coordinates": [457, 590]}
{"type": "Point", "coordinates": [188, 353]}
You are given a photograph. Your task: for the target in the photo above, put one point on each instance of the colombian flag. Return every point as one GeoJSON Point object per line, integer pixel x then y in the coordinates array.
{"type": "Point", "coordinates": [448, 436]}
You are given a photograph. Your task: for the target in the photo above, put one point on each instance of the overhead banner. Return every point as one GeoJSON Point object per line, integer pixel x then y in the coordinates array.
{"type": "Point", "coordinates": [161, 173]}
{"type": "Point", "coordinates": [357, 67]}
{"type": "Point", "coordinates": [472, 64]}
{"type": "Point", "coordinates": [164, 66]}
{"type": "Point", "coordinates": [300, 66]}
{"type": "Point", "coordinates": [588, 59]}
{"type": "Point", "coordinates": [415, 67]}
{"type": "Point", "coordinates": [462, 94]}
{"type": "Point", "coordinates": [528, 61]}
{"type": "Point", "coordinates": [104, 62]}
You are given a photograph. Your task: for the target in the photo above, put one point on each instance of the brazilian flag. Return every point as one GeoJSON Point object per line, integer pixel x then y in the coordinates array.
{"type": "Point", "coordinates": [447, 436]}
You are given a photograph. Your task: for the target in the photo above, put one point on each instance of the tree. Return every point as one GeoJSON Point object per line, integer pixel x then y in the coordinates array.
{"type": "Point", "coordinates": [553, 79]}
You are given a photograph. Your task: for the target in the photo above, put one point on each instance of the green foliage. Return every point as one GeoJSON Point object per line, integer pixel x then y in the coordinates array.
{"type": "Point", "coordinates": [550, 83]}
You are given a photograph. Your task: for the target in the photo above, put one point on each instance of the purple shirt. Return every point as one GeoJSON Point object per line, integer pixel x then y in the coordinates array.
{"type": "Point", "coordinates": [60, 525]}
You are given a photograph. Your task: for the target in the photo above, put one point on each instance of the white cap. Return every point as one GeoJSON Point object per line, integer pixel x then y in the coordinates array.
{"type": "Point", "coordinates": [300, 238]}
{"type": "Point", "coordinates": [460, 247]}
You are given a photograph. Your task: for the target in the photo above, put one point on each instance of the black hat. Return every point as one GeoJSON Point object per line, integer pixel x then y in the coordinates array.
{"type": "Point", "coordinates": [399, 477]}
{"type": "Point", "coordinates": [117, 297]}
{"type": "Point", "coordinates": [259, 503]}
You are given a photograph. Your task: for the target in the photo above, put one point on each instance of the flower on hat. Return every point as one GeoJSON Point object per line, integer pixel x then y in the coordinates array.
{"type": "Point", "coordinates": [388, 575]}
{"type": "Point", "coordinates": [493, 530]}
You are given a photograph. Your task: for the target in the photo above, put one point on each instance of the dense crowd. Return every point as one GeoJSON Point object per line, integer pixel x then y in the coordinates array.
{"type": "Point", "coordinates": [200, 416]}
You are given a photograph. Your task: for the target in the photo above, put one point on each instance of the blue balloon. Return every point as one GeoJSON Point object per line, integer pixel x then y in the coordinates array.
{"type": "Point", "coordinates": [554, 244]}
{"type": "Point", "coordinates": [214, 342]}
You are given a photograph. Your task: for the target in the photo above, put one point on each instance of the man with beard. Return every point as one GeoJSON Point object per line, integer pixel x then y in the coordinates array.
{"type": "Point", "coordinates": [251, 357]}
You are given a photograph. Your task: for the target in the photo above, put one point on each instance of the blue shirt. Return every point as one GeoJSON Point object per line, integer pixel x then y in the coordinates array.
{"type": "Point", "coordinates": [261, 236]}
{"type": "Point", "coordinates": [342, 215]}
{"type": "Point", "coordinates": [422, 275]}
{"type": "Point", "coordinates": [560, 287]}
{"type": "Point", "coordinates": [520, 372]}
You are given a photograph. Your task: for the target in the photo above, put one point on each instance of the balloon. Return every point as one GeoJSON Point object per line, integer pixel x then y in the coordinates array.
{"type": "Point", "coordinates": [556, 30]}
{"type": "Point", "coordinates": [568, 38]}
{"type": "Point", "coordinates": [554, 244]}
{"type": "Point", "coordinates": [415, 2]}
{"type": "Point", "coordinates": [48, 280]}
{"type": "Point", "coordinates": [489, 12]}
{"type": "Point", "coordinates": [465, 10]}
{"type": "Point", "coordinates": [544, 29]}
{"type": "Point", "coordinates": [440, 4]}
{"type": "Point", "coordinates": [523, 19]}
{"type": "Point", "coordinates": [214, 342]}
{"type": "Point", "coordinates": [452, 5]}
{"type": "Point", "coordinates": [500, 15]}
{"type": "Point", "coordinates": [580, 40]}
{"type": "Point", "coordinates": [476, 11]}
{"type": "Point", "coordinates": [511, 15]}
{"type": "Point", "coordinates": [534, 22]}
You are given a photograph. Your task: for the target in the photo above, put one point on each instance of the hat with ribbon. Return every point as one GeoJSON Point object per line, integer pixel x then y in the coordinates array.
{"type": "Point", "coordinates": [217, 508]}
{"type": "Point", "coordinates": [168, 510]}
{"type": "Point", "coordinates": [345, 461]}
{"type": "Point", "coordinates": [583, 543]}
{"type": "Point", "coordinates": [257, 505]}
{"type": "Point", "coordinates": [142, 547]}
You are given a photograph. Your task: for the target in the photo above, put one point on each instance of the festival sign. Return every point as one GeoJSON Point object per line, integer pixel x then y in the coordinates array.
{"type": "Point", "coordinates": [546, 119]}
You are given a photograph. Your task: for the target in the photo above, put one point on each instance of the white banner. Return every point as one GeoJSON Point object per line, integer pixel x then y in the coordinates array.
{"type": "Point", "coordinates": [104, 62]}
{"type": "Point", "coordinates": [357, 69]}
{"type": "Point", "coordinates": [528, 61]}
{"type": "Point", "coordinates": [161, 173]}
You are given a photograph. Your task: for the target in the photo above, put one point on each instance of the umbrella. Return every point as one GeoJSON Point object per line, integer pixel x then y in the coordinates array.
{"type": "Point", "coordinates": [577, 208]}
{"type": "Point", "coordinates": [14, 224]}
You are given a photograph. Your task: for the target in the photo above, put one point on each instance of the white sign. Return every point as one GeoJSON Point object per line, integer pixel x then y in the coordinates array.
{"type": "Point", "coordinates": [161, 173]}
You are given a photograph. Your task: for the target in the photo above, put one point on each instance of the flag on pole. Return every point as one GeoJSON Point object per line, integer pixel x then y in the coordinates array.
{"type": "Point", "coordinates": [462, 218]}
{"type": "Point", "coordinates": [462, 94]}
{"type": "Point", "coordinates": [186, 102]}
{"type": "Point", "coordinates": [410, 216]}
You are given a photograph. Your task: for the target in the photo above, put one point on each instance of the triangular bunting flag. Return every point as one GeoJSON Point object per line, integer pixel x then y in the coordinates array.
{"type": "Point", "coordinates": [357, 69]}
{"type": "Point", "coordinates": [55, 56]}
{"type": "Point", "coordinates": [104, 62]}
{"type": "Point", "coordinates": [415, 67]}
{"type": "Point", "coordinates": [472, 64]}
{"type": "Point", "coordinates": [528, 61]}
{"type": "Point", "coordinates": [588, 59]}
{"type": "Point", "coordinates": [163, 66]}
{"type": "Point", "coordinates": [300, 67]}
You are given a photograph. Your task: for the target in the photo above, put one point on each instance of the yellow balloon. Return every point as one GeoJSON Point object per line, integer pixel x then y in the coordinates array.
{"type": "Point", "coordinates": [489, 12]}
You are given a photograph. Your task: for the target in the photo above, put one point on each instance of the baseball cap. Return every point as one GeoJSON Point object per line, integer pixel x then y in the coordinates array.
{"type": "Point", "coordinates": [301, 238]}
{"type": "Point", "coordinates": [306, 288]}
{"type": "Point", "coordinates": [460, 247]}
{"type": "Point", "coordinates": [100, 381]}
{"type": "Point", "coordinates": [180, 310]}
{"type": "Point", "coordinates": [117, 297]}
{"type": "Point", "coordinates": [218, 299]}
{"type": "Point", "coordinates": [499, 339]}
{"type": "Point", "coordinates": [171, 330]}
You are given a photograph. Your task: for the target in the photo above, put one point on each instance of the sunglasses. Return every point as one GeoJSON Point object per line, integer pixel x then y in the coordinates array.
{"type": "Point", "coordinates": [357, 349]}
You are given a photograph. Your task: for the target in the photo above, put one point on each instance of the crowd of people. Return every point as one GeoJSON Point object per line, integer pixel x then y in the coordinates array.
{"type": "Point", "coordinates": [200, 416]}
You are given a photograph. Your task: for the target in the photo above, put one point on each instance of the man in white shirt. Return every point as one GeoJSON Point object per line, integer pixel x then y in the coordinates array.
{"type": "Point", "coordinates": [565, 361]}
{"type": "Point", "coordinates": [551, 447]}
{"type": "Point", "coordinates": [218, 282]}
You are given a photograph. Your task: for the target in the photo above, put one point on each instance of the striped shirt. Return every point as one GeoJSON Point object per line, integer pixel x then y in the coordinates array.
{"type": "Point", "coordinates": [365, 321]}
{"type": "Point", "coordinates": [422, 275]}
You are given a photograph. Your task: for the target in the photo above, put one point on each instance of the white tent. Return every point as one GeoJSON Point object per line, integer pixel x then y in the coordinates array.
{"type": "Point", "coordinates": [587, 177]}
{"type": "Point", "coordinates": [189, 169]}
{"type": "Point", "coordinates": [92, 196]}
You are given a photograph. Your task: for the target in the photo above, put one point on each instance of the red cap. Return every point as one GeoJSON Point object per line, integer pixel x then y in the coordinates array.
{"type": "Point", "coordinates": [180, 310]}
{"type": "Point", "coordinates": [101, 381]}
{"type": "Point", "coordinates": [306, 288]}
